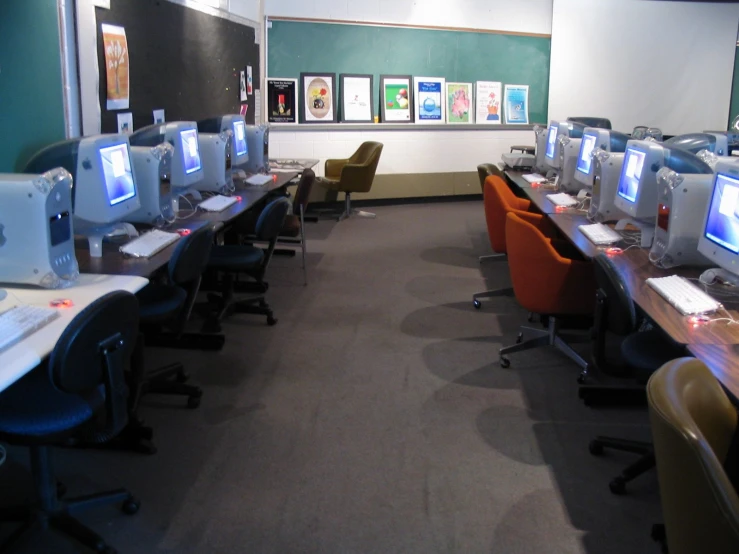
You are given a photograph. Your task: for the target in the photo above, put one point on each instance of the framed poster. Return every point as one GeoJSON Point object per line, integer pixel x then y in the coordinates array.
{"type": "Point", "coordinates": [396, 99]}
{"type": "Point", "coordinates": [318, 92]}
{"type": "Point", "coordinates": [282, 100]}
{"type": "Point", "coordinates": [487, 102]}
{"type": "Point", "coordinates": [356, 98]}
{"type": "Point", "coordinates": [517, 104]}
{"type": "Point", "coordinates": [430, 105]}
{"type": "Point", "coordinates": [459, 104]}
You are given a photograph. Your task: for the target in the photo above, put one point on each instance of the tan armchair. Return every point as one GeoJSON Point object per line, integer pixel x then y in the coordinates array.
{"type": "Point", "coordinates": [354, 174]}
{"type": "Point", "coordinates": [693, 425]}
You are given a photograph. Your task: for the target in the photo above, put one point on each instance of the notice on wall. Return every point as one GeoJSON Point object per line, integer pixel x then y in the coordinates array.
{"type": "Point", "coordinates": [158, 116]}
{"type": "Point", "coordinates": [116, 67]}
{"type": "Point", "coordinates": [242, 86]}
{"type": "Point", "coordinates": [487, 102]}
{"type": "Point", "coordinates": [125, 123]}
{"type": "Point", "coordinates": [517, 104]}
{"type": "Point", "coordinates": [249, 80]}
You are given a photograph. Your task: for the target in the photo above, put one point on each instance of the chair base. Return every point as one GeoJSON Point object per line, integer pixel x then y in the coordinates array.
{"type": "Point", "coordinates": [604, 395]}
{"type": "Point", "coordinates": [171, 380]}
{"type": "Point", "coordinates": [495, 257]}
{"type": "Point", "coordinates": [226, 306]}
{"type": "Point", "coordinates": [645, 462]}
{"type": "Point", "coordinates": [490, 294]}
{"type": "Point", "coordinates": [546, 337]}
{"type": "Point", "coordinates": [186, 341]}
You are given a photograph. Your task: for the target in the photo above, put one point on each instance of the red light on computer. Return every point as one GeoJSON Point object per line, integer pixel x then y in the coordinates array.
{"type": "Point", "coordinates": [613, 250]}
{"type": "Point", "coordinates": [559, 209]}
{"type": "Point", "coordinates": [238, 198]}
{"type": "Point", "coordinates": [183, 232]}
{"type": "Point", "coordinates": [61, 303]}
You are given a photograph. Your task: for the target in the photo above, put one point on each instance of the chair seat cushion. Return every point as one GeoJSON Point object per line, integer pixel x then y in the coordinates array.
{"type": "Point", "coordinates": [647, 351]}
{"type": "Point", "coordinates": [32, 407]}
{"type": "Point", "coordinates": [235, 257]}
{"type": "Point", "coordinates": [291, 227]}
{"type": "Point", "coordinates": [158, 302]}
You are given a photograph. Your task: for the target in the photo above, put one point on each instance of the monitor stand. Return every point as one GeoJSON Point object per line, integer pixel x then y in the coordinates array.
{"type": "Point", "coordinates": [719, 275]}
{"type": "Point", "coordinates": [95, 235]}
{"type": "Point", "coordinates": [647, 230]}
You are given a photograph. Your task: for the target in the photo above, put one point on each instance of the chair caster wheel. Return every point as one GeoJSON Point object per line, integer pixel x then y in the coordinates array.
{"type": "Point", "coordinates": [477, 304]}
{"type": "Point", "coordinates": [617, 486]}
{"type": "Point", "coordinates": [131, 506]}
{"type": "Point", "coordinates": [504, 362]}
{"type": "Point", "coordinates": [530, 319]}
{"type": "Point", "coordinates": [595, 448]}
{"type": "Point", "coordinates": [581, 379]}
{"type": "Point", "coordinates": [194, 401]}
{"type": "Point", "coordinates": [182, 376]}
{"type": "Point", "coordinates": [271, 321]}
{"type": "Point", "coordinates": [519, 338]}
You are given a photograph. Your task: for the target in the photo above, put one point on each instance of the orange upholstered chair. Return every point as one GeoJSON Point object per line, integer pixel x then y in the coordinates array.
{"type": "Point", "coordinates": [498, 201]}
{"type": "Point", "coordinates": [546, 282]}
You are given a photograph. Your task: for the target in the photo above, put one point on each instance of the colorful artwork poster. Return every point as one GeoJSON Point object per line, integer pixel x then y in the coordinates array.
{"type": "Point", "coordinates": [459, 102]}
{"type": "Point", "coordinates": [356, 92]}
{"type": "Point", "coordinates": [487, 102]}
{"type": "Point", "coordinates": [396, 97]}
{"type": "Point", "coordinates": [242, 86]}
{"type": "Point", "coordinates": [430, 103]}
{"type": "Point", "coordinates": [116, 67]}
{"type": "Point", "coordinates": [282, 101]}
{"type": "Point", "coordinates": [319, 98]}
{"type": "Point", "coordinates": [517, 104]}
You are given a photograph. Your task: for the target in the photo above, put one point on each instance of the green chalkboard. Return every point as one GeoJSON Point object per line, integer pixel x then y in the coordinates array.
{"type": "Point", "coordinates": [734, 109]}
{"type": "Point", "coordinates": [465, 56]}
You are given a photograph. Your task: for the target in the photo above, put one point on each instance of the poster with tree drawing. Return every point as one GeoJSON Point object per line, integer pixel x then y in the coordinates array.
{"type": "Point", "coordinates": [116, 64]}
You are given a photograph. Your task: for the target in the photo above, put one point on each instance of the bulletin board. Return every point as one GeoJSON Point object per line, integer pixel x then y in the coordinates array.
{"type": "Point", "coordinates": [181, 60]}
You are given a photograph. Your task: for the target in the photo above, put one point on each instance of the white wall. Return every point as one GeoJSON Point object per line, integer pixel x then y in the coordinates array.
{"type": "Point", "coordinates": [641, 62]}
{"type": "Point", "coordinates": [248, 9]}
{"type": "Point", "coordinates": [530, 16]}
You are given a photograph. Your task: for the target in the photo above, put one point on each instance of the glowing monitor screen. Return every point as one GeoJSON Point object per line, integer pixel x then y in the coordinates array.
{"type": "Point", "coordinates": [586, 148]}
{"type": "Point", "coordinates": [722, 223]}
{"type": "Point", "coordinates": [239, 138]}
{"type": "Point", "coordinates": [118, 174]}
{"type": "Point", "coordinates": [628, 185]}
{"type": "Point", "coordinates": [190, 150]}
{"type": "Point", "coordinates": [551, 141]}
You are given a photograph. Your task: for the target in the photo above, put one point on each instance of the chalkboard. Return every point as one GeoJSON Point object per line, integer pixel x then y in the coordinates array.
{"type": "Point", "coordinates": [734, 109]}
{"type": "Point", "coordinates": [181, 60]}
{"type": "Point", "coordinates": [465, 56]}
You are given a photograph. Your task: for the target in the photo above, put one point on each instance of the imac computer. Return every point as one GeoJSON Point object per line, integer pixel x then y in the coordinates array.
{"type": "Point", "coordinates": [540, 134]}
{"type": "Point", "coordinates": [187, 169]}
{"type": "Point", "coordinates": [239, 151]}
{"type": "Point", "coordinates": [215, 152]}
{"type": "Point", "coordinates": [555, 131]}
{"type": "Point", "coordinates": [592, 138]}
{"type": "Point", "coordinates": [719, 239]}
{"type": "Point", "coordinates": [568, 152]}
{"type": "Point", "coordinates": [684, 188]}
{"type": "Point", "coordinates": [606, 168]}
{"type": "Point", "coordinates": [257, 138]}
{"type": "Point", "coordinates": [643, 132]}
{"type": "Point", "coordinates": [104, 191]}
{"type": "Point", "coordinates": [595, 122]}
{"type": "Point", "coordinates": [153, 169]}
{"type": "Point", "coordinates": [37, 246]}
{"type": "Point", "coordinates": [695, 142]}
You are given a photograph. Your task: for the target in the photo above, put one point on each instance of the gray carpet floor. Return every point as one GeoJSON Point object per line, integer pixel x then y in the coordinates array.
{"type": "Point", "coordinates": [373, 418]}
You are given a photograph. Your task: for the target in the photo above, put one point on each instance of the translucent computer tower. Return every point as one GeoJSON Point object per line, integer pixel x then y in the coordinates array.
{"type": "Point", "coordinates": [540, 134]}
{"type": "Point", "coordinates": [683, 199]}
{"type": "Point", "coordinates": [719, 237]}
{"type": "Point", "coordinates": [215, 152]}
{"type": "Point", "coordinates": [569, 151]}
{"type": "Point", "coordinates": [153, 169]}
{"type": "Point", "coordinates": [593, 138]}
{"type": "Point", "coordinates": [257, 138]}
{"type": "Point", "coordinates": [234, 124]}
{"type": "Point", "coordinates": [36, 236]}
{"type": "Point", "coordinates": [606, 174]}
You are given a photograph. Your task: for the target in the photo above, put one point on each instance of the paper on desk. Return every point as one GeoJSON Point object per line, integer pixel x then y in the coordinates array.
{"type": "Point", "coordinates": [534, 178]}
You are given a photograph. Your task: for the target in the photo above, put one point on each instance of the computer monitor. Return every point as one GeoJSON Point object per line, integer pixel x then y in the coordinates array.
{"type": "Point", "coordinates": [153, 169]}
{"type": "Point", "coordinates": [695, 142]}
{"type": "Point", "coordinates": [239, 152]}
{"type": "Point", "coordinates": [257, 138]}
{"type": "Point", "coordinates": [719, 240]}
{"type": "Point", "coordinates": [636, 195]}
{"type": "Point", "coordinates": [187, 168]}
{"type": "Point", "coordinates": [215, 152]}
{"type": "Point", "coordinates": [37, 246]}
{"type": "Point", "coordinates": [556, 130]}
{"type": "Point", "coordinates": [643, 132]}
{"type": "Point", "coordinates": [593, 138]}
{"type": "Point", "coordinates": [595, 122]}
{"type": "Point", "coordinates": [606, 170]}
{"type": "Point", "coordinates": [684, 188]}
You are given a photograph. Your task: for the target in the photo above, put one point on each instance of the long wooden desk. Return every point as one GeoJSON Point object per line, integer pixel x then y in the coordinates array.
{"type": "Point", "coordinates": [22, 357]}
{"type": "Point", "coordinates": [113, 262]}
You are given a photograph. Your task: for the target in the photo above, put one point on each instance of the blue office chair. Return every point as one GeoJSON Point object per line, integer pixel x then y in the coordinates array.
{"type": "Point", "coordinates": [79, 395]}
{"type": "Point", "coordinates": [170, 304]}
{"type": "Point", "coordinates": [234, 260]}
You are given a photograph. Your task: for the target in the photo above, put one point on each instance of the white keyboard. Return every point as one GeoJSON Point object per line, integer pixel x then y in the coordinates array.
{"type": "Point", "coordinates": [562, 199]}
{"type": "Point", "coordinates": [259, 180]}
{"type": "Point", "coordinates": [683, 295]}
{"type": "Point", "coordinates": [534, 178]}
{"type": "Point", "coordinates": [217, 203]}
{"type": "Point", "coordinates": [21, 321]}
{"type": "Point", "coordinates": [149, 243]}
{"type": "Point", "coordinates": [597, 233]}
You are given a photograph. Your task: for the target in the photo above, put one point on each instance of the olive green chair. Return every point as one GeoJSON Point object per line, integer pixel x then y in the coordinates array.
{"type": "Point", "coordinates": [354, 174]}
{"type": "Point", "coordinates": [694, 427]}
{"type": "Point", "coordinates": [486, 170]}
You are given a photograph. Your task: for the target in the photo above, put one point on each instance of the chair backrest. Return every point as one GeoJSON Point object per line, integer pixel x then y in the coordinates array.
{"type": "Point", "coordinates": [693, 424]}
{"type": "Point", "coordinates": [190, 257]}
{"type": "Point", "coordinates": [269, 226]}
{"type": "Point", "coordinates": [543, 281]}
{"type": "Point", "coordinates": [359, 172]}
{"type": "Point", "coordinates": [302, 194]}
{"type": "Point", "coordinates": [486, 170]}
{"type": "Point", "coordinates": [498, 200]}
{"type": "Point", "coordinates": [93, 350]}
{"type": "Point", "coordinates": [367, 154]}
{"type": "Point", "coordinates": [620, 316]}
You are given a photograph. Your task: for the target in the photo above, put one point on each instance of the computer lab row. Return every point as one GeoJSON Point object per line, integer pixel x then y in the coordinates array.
{"type": "Point", "coordinates": [681, 194]}
{"type": "Point", "coordinates": [99, 186]}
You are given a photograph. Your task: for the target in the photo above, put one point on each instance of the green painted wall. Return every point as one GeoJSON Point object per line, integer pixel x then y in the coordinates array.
{"type": "Point", "coordinates": [31, 98]}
